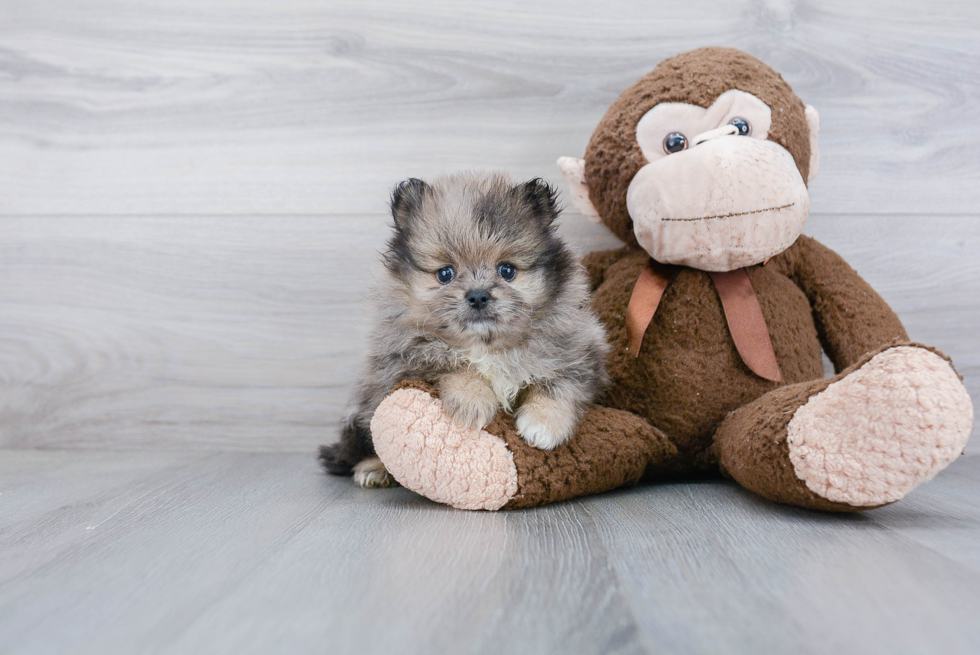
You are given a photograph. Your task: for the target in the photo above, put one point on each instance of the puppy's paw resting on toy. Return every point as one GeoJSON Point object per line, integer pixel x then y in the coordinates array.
{"type": "Point", "coordinates": [468, 399]}
{"type": "Point", "coordinates": [545, 422]}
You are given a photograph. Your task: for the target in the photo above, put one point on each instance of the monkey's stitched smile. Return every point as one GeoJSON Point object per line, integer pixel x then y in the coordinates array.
{"type": "Point", "coordinates": [719, 216]}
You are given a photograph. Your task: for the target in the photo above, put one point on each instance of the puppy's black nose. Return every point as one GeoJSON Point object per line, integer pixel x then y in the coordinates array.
{"type": "Point", "coordinates": [478, 298]}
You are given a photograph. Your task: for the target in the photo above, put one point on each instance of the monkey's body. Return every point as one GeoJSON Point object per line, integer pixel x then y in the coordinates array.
{"type": "Point", "coordinates": [702, 166]}
{"type": "Point", "coordinates": [689, 377]}
{"type": "Point", "coordinates": [688, 353]}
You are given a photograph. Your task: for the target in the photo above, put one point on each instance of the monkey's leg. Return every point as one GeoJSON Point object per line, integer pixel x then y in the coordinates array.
{"type": "Point", "coordinates": [859, 440]}
{"type": "Point", "coordinates": [495, 468]}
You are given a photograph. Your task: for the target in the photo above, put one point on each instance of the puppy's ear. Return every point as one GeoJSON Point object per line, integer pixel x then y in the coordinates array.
{"type": "Point", "coordinates": [406, 200]}
{"type": "Point", "coordinates": [541, 198]}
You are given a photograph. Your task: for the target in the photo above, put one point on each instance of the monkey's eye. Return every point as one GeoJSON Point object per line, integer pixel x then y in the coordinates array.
{"type": "Point", "coordinates": [742, 125]}
{"type": "Point", "coordinates": [674, 142]}
{"type": "Point", "coordinates": [445, 274]}
{"type": "Point", "coordinates": [506, 271]}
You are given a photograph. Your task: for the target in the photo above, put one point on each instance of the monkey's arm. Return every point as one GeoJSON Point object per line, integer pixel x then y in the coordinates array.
{"type": "Point", "coordinates": [597, 262]}
{"type": "Point", "coordinates": [851, 318]}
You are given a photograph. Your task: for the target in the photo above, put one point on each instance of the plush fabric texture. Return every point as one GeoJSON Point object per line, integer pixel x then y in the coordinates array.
{"type": "Point", "coordinates": [813, 122]}
{"type": "Point", "coordinates": [869, 438]}
{"type": "Point", "coordinates": [750, 446]}
{"type": "Point", "coordinates": [697, 123]}
{"type": "Point", "coordinates": [851, 318]}
{"type": "Point", "coordinates": [426, 452]}
{"type": "Point", "coordinates": [478, 469]}
{"type": "Point", "coordinates": [611, 449]}
{"type": "Point", "coordinates": [697, 78]}
{"type": "Point", "coordinates": [689, 374]}
{"type": "Point", "coordinates": [573, 170]}
{"type": "Point", "coordinates": [725, 201]}
{"type": "Point", "coordinates": [852, 444]}
{"type": "Point", "coordinates": [699, 209]}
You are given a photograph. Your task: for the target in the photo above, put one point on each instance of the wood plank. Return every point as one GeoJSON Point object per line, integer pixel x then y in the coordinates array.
{"type": "Point", "coordinates": [193, 332]}
{"type": "Point", "coordinates": [260, 552]}
{"type": "Point", "coordinates": [263, 553]}
{"type": "Point", "coordinates": [742, 575]}
{"type": "Point", "coordinates": [81, 475]}
{"type": "Point", "coordinates": [117, 573]}
{"type": "Point", "coordinates": [437, 580]}
{"type": "Point", "coordinates": [247, 332]}
{"type": "Point", "coordinates": [944, 514]}
{"type": "Point", "coordinates": [242, 106]}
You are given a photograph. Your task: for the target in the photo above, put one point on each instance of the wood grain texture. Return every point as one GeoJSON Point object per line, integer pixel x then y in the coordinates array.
{"type": "Point", "coordinates": [245, 106]}
{"type": "Point", "coordinates": [259, 552]}
{"type": "Point", "coordinates": [71, 478]}
{"type": "Point", "coordinates": [754, 577]}
{"type": "Point", "coordinates": [945, 518]}
{"type": "Point", "coordinates": [248, 332]}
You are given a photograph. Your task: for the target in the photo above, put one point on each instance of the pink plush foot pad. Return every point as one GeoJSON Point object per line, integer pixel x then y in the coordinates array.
{"type": "Point", "coordinates": [871, 437]}
{"type": "Point", "coordinates": [429, 454]}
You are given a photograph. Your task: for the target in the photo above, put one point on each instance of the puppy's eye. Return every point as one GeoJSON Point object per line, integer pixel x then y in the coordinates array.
{"type": "Point", "coordinates": [506, 271]}
{"type": "Point", "coordinates": [445, 274]}
{"type": "Point", "coordinates": [674, 142]}
{"type": "Point", "coordinates": [744, 129]}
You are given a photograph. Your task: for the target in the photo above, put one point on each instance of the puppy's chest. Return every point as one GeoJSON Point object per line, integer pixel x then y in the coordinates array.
{"type": "Point", "coordinates": [504, 373]}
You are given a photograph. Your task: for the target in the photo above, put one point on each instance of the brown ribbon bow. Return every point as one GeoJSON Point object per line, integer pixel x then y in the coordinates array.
{"type": "Point", "coordinates": [742, 313]}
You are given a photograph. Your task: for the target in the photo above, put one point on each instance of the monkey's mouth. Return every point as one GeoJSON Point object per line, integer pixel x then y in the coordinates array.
{"type": "Point", "coordinates": [732, 215]}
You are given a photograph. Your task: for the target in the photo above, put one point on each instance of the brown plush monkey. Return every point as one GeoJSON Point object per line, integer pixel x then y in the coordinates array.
{"type": "Point", "coordinates": [717, 309]}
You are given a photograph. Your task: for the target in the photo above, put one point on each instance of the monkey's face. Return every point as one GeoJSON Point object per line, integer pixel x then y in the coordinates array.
{"type": "Point", "coordinates": [715, 193]}
{"type": "Point", "coordinates": [703, 162]}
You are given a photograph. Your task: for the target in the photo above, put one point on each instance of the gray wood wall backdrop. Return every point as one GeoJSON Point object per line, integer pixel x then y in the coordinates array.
{"type": "Point", "coordinates": [192, 194]}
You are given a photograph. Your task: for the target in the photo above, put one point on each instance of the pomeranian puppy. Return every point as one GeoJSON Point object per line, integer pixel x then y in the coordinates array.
{"type": "Point", "coordinates": [485, 301]}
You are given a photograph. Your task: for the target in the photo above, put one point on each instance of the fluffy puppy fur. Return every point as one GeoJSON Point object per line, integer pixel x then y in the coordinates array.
{"type": "Point", "coordinates": [484, 300]}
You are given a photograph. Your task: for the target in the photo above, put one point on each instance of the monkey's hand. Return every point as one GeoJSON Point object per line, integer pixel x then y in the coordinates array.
{"type": "Point", "coordinates": [545, 422]}
{"type": "Point", "coordinates": [468, 399]}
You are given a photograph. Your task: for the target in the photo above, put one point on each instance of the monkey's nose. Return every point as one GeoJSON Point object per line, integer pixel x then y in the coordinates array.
{"type": "Point", "coordinates": [478, 298]}
{"type": "Point", "coordinates": [724, 130]}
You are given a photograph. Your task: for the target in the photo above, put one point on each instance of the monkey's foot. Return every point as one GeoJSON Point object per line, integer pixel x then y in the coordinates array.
{"type": "Point", "coordinates": [495, 468]}
{"type": "Point", "coordinates": [878, 432]}
{"type": "Point", "coordinates": [859, 440]}
{"type": "Point", "coordinates": [421, 446]}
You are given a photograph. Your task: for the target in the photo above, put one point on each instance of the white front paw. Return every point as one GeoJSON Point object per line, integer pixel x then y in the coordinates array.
{"type": "Point", "coordinates": [545, 424]}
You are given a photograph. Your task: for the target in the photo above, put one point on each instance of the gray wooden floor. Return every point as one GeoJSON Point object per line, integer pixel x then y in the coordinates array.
{"type": "Point", "coordinates": [192, 197]}
{"type": "Point", "coordinates": [194, 552]}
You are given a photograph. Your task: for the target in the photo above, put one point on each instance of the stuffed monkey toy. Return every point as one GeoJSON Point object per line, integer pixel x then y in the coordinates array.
{"type": "Point", "coordinates": [717, 309]}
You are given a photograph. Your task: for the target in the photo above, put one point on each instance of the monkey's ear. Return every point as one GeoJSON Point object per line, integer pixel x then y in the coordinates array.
{"type": "Point", "coordinates": [541, 197]}
{"type": "Point", "coordinates": [406, 200]}
{"type": "Point", "coordinates": [573, 170]}
{"type": "Point", "coordinates": [813, 122]}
